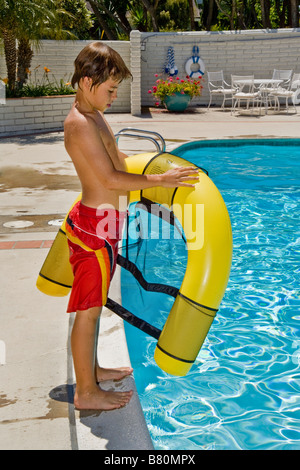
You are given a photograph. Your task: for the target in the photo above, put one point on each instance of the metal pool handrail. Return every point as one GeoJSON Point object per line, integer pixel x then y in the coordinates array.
{"type": "Point", "coordinates": [132, 132]}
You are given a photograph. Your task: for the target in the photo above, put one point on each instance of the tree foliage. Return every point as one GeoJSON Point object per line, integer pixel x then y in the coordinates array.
{"type": "Point", "coordinates": [22, 21]}
{"type": "Point", "coordinates": [74, 19]}
{"type": "Point", "coordinates": [174, 15]}
{"type": "Point", "coordinates": [116, 18]}
{"type": "Point", "coordinates": [25, 21]}
{"type": "Point", "coordinates": [249, 14]}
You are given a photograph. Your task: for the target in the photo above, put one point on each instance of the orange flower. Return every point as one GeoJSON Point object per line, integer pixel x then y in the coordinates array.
{"type": "Point", "coordinates": [46, 69]}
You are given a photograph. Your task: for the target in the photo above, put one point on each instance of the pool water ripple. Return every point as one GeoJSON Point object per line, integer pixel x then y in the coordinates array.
{"type": "Point", "coordinates": [243, 390]}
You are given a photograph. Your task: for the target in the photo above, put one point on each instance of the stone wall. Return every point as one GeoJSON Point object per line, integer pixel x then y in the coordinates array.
{"type": "Point", "coordinates": [255, 52]}
{"type": "Point", "coordinates": [59, 56]}
{"type": "Point", "coordinates": [25, 115]}
{"type": "Point", "coordinates": [246, 52]}
{"type": "Point", "coordinates": [28, 115]}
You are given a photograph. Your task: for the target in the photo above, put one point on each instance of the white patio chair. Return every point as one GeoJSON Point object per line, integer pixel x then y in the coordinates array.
{"type": "Point", "coordinates": [270, 89]}
{"type": "Point", "coordinates": [245, 91]}
{"type": "Point", "coordinates": [284, 75]}
{"type": "Point", "coordinates": [218, 86]}
{"type": "Point", "coordinates": [287, 93]}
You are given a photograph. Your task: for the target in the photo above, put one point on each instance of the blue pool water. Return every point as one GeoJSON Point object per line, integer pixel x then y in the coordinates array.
{"type": "Point", "coordinates": [243, 392]}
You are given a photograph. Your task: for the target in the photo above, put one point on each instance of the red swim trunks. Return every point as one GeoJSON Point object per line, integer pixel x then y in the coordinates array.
{"type": "Point", "coordinates": [93, 237]}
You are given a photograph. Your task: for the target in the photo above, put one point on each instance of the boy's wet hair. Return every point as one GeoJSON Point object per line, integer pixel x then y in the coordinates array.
{"type": "Point", "coordinates": [99, 62]}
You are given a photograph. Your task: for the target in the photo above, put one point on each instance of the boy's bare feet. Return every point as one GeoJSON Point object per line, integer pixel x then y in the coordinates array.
{"type": "Point", "coordinates": [103, 400]}
{"type": "Point", "coordinates": [103, 374]}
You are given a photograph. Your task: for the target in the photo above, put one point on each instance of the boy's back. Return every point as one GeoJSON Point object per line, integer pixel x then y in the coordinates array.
{"type": "Point", "coordinates": [91, 145]}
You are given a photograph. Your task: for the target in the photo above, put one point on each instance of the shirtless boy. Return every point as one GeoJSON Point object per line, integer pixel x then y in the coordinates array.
{"type": "Point", "coordinates": [100, 166]}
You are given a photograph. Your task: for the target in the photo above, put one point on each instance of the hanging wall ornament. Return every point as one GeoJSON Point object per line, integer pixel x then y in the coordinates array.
{"type": "Point", "coordinates": [195, 66]}
{"type": "Point", "coordinates": [170, 67]}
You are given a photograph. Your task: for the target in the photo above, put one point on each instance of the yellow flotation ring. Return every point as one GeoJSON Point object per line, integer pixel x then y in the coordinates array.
{"type": "Point", "coordinates": [56, 276]}
{"type": "Point", "coordinates": [209, 246]}
{"type": "Point", "coordinates": [206, 224]}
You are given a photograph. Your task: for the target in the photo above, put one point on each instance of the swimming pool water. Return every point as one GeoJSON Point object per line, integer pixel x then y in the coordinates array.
{"type": "Point", "coordinates": [243, 392]}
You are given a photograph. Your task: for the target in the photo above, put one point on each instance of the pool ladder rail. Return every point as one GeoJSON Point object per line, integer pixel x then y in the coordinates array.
{"type": "Point", "coordinates": [154, 137]}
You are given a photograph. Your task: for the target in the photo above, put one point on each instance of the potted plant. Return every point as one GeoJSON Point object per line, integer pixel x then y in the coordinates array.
{"type": "Point", "coordinates": [176, 93]}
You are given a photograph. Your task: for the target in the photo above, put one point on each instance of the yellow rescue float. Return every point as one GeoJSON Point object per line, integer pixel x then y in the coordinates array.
{"type": "Point", "coordinates": [209, 246]}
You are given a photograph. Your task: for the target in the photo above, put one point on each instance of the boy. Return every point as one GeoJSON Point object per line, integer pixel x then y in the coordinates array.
{"type": "Point", "coordinates": [100, 166]}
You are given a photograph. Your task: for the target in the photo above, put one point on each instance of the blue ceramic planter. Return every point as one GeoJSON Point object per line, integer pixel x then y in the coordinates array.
{"type": "Point", "coordinates": [177, 102]}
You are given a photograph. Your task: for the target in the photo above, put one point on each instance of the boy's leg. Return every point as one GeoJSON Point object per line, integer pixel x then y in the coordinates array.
{"type": "Point", "coordinates": [102, 373]}
{"type": "Point", "coordinates": [88, 395]}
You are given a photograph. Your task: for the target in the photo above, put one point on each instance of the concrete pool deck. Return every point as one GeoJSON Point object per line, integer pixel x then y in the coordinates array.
{"type": "Point", "coordinates": [38, 184]}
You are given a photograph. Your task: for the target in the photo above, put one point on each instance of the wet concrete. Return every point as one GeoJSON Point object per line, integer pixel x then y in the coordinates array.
{"type": "Point", "coordinates": [40, 223]}
{"type": "Point", "coordinates": [12, 177]}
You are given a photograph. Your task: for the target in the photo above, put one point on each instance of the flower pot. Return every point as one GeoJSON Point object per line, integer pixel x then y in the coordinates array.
{"type": "Point", "coordinates": [177, 102]}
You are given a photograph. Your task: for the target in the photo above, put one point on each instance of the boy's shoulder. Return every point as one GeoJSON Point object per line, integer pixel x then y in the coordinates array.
{"type": "Point", "coordinates": [78, 123]}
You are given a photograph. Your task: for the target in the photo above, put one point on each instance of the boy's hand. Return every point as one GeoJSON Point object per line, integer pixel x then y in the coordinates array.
{"type": "Point", "coordinates": [180, 177]}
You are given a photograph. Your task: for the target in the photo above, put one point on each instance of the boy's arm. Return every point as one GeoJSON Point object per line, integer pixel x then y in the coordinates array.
{"type": "Point", "coordinates": [87, 139]}
{"type": "Point", "coordinates": [122, 155]}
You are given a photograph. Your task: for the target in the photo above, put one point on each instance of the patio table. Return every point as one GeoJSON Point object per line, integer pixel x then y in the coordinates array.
{"type": "Point", "coordinates": [263, 84]}
{"type": "Point", "coordinates": [260, 81]}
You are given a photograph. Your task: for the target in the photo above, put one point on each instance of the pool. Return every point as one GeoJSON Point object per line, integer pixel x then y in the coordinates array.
{"type": "Point", "coordinates": [243, 390]}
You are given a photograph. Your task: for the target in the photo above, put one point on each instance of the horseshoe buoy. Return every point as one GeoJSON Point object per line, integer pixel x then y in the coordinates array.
{"type": "Point", "coordinates": [195, 66]}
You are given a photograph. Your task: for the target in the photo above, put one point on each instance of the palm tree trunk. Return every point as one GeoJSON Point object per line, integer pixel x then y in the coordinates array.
{"type": "Point", "coordinates": [294, 10]}
{"type": "Point", "coordinates": [210, 14]}
{"type": "Point", "coordinates": [191, 9]}
{"type": "Point", "coordinates": [25, 54]}
{"type": "Point", "coordinates": [265, 13]}
{"type": "Point", "coordinates": [10, 52]}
